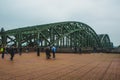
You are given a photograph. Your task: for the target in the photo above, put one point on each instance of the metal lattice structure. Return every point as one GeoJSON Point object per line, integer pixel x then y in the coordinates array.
{"type": "Point", "coordinates": [105, 41]}
{"type": "Point", "coordinates": [63, 34]}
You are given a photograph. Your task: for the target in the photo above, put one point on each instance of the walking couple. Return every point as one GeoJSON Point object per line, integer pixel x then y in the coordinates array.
{"type": "Point", "coordinates": [48, 50]}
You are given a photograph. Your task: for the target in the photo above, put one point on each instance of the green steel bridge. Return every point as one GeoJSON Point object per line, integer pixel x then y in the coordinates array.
{"type": "Point", "coordinates": [63, 34]}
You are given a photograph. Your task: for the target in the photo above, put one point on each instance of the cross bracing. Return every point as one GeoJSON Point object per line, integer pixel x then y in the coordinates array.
{"type": "Point", "coordinates": [62, 34]}
{"type": "Point", "coordinates": [105, 41]}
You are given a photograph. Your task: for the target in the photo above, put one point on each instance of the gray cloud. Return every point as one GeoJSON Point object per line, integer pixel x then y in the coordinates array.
{"type": "Point", "coordinates": [101, 15]}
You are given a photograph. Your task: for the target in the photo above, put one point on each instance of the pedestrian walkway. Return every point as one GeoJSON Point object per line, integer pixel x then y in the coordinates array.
{"type": "Point", "coordinates": [64, 67]}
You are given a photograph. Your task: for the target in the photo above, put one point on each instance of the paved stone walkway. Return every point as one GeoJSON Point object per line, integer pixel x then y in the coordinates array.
{"type": "Point", "coordinates": [65, 67]}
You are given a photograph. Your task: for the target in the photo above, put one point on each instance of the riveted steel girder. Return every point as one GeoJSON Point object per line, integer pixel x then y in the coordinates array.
{"type": "Point", "coordinates": [62, 34]}
{"type": "Point", "coordinates": [105, 41]}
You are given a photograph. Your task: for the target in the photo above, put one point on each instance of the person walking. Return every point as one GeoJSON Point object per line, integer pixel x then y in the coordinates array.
{"type": "Point", "coordinates": [2, 50]}
{"type": "Point", "coordinates": [80, 50]}
{"type": "Point", "coordinates": [75, 49]}
{"type": "Point", "coordinates": [53, 51]}
{"type": "Point", "coordinates": [6, 49]}
{"type": "Point", "coordinates": [20, 51]}
{"type": "Point", "coordinates": [38, 51]}
{"type": "Point", "coordinates": [27, 49]}
{"type": "Point", "coordinates": [47, 50]}
{"type": "Point", "coordinates": [12, 52]}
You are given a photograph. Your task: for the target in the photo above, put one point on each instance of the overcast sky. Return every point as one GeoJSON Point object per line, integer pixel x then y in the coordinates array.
{"type": "Point", "coordinates": [102, 15]}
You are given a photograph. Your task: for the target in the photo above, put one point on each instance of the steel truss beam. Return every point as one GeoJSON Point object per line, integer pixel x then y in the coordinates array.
{"type": "Point", "coordinates": [62, 34]}
{"type": "Point", "coordinates": [105, 41]}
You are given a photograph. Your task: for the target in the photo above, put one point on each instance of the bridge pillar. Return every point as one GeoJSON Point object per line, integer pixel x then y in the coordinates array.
{"type": "Point", "coordinates": [18, 40]}
{"type": "Point", "coordinates": [3, 37]}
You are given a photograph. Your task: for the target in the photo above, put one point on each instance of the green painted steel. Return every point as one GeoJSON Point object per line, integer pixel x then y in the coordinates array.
{"type": "Point", "coordinates": [62, 34]}
{"type": "Point", "coordinates": [105, 41]}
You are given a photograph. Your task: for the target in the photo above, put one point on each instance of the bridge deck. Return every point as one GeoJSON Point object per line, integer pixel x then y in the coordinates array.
{"type": "Point", "coordinates": [65, 67]}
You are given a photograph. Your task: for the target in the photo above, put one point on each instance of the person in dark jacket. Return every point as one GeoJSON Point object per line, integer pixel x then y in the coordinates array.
{"type": "Point", "coordinates": [12, 52]}
{"type": "Point", "coordinates": [47, 50]}
{"type": "Point", "coordinates": [20, 51]}
{"type": "Point", "coordinates": [38, 51]}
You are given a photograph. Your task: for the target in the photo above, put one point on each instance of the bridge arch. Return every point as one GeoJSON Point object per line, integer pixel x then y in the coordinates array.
{"type": "Point", "coordinates": [62, 34]}
{"type": "Point", "coordinates": [105, 41]}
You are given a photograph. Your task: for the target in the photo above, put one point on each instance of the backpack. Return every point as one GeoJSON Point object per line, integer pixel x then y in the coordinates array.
{"type": "Point", "coordinates": [1, 50]}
